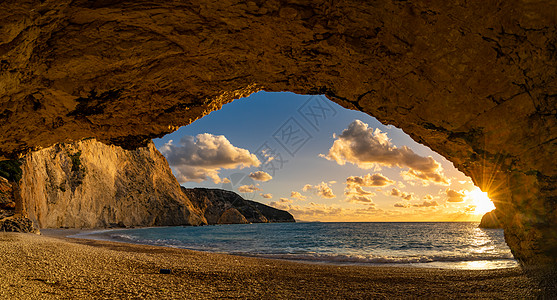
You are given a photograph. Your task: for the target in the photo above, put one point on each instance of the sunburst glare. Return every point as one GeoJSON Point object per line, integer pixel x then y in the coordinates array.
{"type": "Point", "coordinates": [481, 201]}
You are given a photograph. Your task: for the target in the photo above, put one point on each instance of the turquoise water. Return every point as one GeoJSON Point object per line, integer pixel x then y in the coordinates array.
{"type": "Point", "coordinates": [440, 245]}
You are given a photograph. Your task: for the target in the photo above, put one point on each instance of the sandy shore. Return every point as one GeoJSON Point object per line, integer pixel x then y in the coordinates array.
{"type": "Point", "coordinates": [54, 267]}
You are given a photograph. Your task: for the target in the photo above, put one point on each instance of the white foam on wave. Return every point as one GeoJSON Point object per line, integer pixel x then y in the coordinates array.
{"type": "Point", "coordinates": [360, 259]}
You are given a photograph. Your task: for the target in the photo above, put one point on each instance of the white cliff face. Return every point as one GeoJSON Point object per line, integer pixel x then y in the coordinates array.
{"type": "Point", "coordinates": [88, 184]}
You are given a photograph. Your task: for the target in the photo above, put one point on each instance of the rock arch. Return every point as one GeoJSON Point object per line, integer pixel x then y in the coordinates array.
{"type": "Point", "coordinates": [473, 80]}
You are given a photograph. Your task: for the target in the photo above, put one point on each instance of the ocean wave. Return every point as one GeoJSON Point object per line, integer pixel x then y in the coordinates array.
{"type": "Point", "coordinates": [359, 259]}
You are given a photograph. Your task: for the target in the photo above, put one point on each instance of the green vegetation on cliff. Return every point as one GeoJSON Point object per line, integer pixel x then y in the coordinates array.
{"type": "Point", "coordinates": [11, 170]}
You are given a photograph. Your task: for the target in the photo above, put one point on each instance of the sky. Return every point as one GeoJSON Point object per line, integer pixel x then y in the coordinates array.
{"type": "Point", "coordinates": [321, 162]}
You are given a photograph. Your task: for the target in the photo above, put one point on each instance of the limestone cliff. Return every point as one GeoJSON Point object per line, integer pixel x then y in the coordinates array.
{"type": "Point", "coordinates": [473, 80]}
{"type": "Point", "coordinates": [88, 184]}
{"type": "Point", "coordinates": [225, 207]}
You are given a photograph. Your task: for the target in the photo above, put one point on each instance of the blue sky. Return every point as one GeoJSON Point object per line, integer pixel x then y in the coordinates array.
{"type": "Point", "coordinates": [267, 120]}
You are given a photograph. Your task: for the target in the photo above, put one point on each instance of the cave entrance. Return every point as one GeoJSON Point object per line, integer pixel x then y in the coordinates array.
{"type": "Point", "coordinates": [324, 163]}
{"type": "Point", "coordinates": [309, 149]}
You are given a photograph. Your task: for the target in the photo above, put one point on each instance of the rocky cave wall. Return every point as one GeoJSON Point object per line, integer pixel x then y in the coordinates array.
{"type": "Point", "coordinates": [473, 80]}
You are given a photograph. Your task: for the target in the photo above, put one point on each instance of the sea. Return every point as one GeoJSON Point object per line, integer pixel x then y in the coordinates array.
{"type": "Point", "coordinates": [458, 245]}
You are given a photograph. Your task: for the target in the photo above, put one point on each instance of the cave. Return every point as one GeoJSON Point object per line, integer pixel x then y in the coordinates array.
{"type": "Point", "coordinates": [474, 81]}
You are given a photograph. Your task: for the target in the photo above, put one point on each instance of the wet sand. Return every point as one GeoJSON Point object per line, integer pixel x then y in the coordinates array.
{"type": "Point", "coordinates": [55, 267]}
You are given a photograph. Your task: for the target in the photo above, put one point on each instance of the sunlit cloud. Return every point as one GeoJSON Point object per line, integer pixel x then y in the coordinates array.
{"type": "Point", "coordinates": [323, 190]}
{"type": "Point", "coordinates": [398, 193]}
{"type": "Point", "coordinates": [401, 205]}
{"type": "Point", "coordinates": [424, 204]}
{"type": "Point", "coordinates": [317, 211]}
{"type": "Point", "coordinates": [312, 209]}
{"type": "Point", "coordinates": [248, 188]}
{"type": "Point", "coordinates": [202, 157]}
{"type": "Point", "coordinates": [371, 149]}
{"type": "Point", "coordinates": [297, 195]}
{"type": "Point", "coordinates": [356, 194]}
{"type": "Point", "coordinates": [368, 180]}
{"type": "Point", "coordinates": [266, 196]}
{"type": "Point", "coordinates": [260, 176]}
{"type": "Point", "coordinates": [427, 203]}
{"type": "Point", "coordinates": [454, 196]}
{"type": "Point", "coordinates": [361, 199]}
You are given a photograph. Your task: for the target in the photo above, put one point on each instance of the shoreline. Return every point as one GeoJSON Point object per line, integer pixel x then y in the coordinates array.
{"type": "Point", "coordinates": [465, 264]}
{"type": "Point", "coordinates": [53, 267]}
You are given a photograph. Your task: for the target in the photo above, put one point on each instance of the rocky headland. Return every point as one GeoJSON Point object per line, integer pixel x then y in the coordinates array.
{"type": "Point", "coordinates": [491, 220]}
{"type": "Point", "coordinates": [226, 207]}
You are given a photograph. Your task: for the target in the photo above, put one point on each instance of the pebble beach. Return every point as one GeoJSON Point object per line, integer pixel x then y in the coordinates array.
{"type": "Point", "coordinates": [51, 266]}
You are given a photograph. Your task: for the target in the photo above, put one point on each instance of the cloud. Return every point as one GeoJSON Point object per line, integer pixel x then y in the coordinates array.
{"type": "Point", "coordinates": [398, 193]}
{"type": "Point", "coordinates": [321, 189]}
{"type": "Point", "coordinates": [266, 196]}
{"type": "Point", "coordinates": [454, 196]}
{"type": "Point", "coordinates": [407, 197]}
{"type": "Point", "coordinates": [356, 194]}
{"type": "Point", "coordinates": [357, 190]}
{"type": "Point", "coordinates": [297, 195]}
{"type": "Point", "coordinates": [427, 204]}
{"type": "Point", "coordinates": [362, 199]}
{"type": "Point", "coordinates": [369, 180]}
{"type": "Point", "coordinates": [366, 148]}
{"type": "Point", "coordinates": [311, 210]}
{"type": "Point", "coordinates": [424, 178]}
{"type": "Point", "coordinates": [201, 157]}
{"type": "Point", "coordinates": [248, 188]}
{"type": "Point", "coordinates": [260, 176]}
{"type": "Point", "coordinates": [283, 203]}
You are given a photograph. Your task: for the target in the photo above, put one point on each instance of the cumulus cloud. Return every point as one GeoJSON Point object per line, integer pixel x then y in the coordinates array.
{"type": "Point", "coordinates": [322, 190]}
{"type": "Point", "coordinates": [454, 196]}
{"type": "Point", "coordinates": [366, 148]}
{"type": "Point", "coordinates": [297, 195]}
{"type": "Point", "coordinates": [368, 180]}
{"type": "Point", "coordinates": [202, 157]}
{"type": "Point", "coordinates": [361, 199]}
{"type": "Point", "coordinates": [427, 204]}
{"type": "Point", "coordinates": [398, 193]}
{"type": "Point", "coordinates": [424, 178]}
{"type": "Point", "coordinates": [356, 194]}
{"type": "Point", "coordinates": [260, 176]}
{"type": "Point", "coordinates": [284, 200]}
{"type": "Point", "coordinates": [401, 204]}
{"type": "Point", "coordinates": [316, 211]}
{"type": "Point", "coordinates": [266, 196]}
{"type": "Point", "coordinates": [248, 188]}
{"type": "Point", "coordinates": [311, 210]}
{"type": "Point", "coordinates": [357, 190]}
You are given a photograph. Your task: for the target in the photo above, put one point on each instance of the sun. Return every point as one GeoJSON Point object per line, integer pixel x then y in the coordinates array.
{"type": "Point", "coordinates": [481, 201]}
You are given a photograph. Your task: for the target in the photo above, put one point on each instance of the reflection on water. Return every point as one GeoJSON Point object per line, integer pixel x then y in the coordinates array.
{"type": "Point", "coordinates": [473, 265]}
